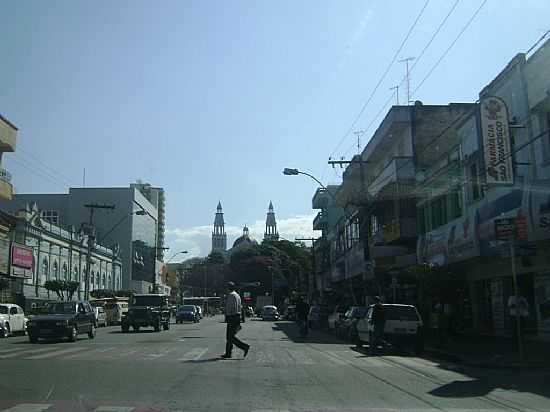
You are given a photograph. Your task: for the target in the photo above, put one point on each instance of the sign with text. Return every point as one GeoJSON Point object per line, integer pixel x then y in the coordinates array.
{"type": "Point", "coordinates": [504, 229]}
{"type": "Point", "coordinates": [21, 256]}
{"type": "Point", "coordinates": [496, 141]}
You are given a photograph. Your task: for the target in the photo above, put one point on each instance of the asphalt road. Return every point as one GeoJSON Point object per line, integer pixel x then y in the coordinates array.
{"type": "Point", "coordinates": [180, 370]}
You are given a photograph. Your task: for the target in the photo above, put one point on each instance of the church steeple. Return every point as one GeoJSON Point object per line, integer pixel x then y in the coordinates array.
{"type": "Point", "coordinates": [271, 225]}
{"type": "Point", "coordinates": [219, 237]}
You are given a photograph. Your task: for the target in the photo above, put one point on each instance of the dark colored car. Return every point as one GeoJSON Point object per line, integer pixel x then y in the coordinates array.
{"type": "Point", "coordinates": [187, 313]}
{"type": "Point", "coordinates": [290, 312]}
{"type": "Point", "coordinates": [63, 320]}
{"type": "Point", "coordinates": [347, 327]}
{"type": "Point", "coordinates": [147, 310]}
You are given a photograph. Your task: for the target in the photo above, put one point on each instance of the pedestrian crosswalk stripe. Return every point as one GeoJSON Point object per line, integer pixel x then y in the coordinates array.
{"type": "Point", "coordinates": [2, 351]}
{"type": "Point", "coordinates": [29, 407]}
{"type": "Point", "coordinates": [25, 351]}
{"type": "Point", "coordinates": [88, 353]}
{"type": "Point", "coordinates": [194, 354]}
{"type": "Point", "coordinates": [55, 353]}
{"type": "Point", "coordinates": [114, 409]}
{"type": "Point", "coordinates": [153, 356]}
{"type": "Point", "coordinates": [300, 357]}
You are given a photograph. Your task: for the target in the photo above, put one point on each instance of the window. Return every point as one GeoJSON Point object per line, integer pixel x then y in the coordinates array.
{"type": "Point", "coordinates": [374, 225]}
{"type": "Point", "coordinates": [456, 204]}
{"type": "Point", "coordinates": [55, 270]}
{"type": "Point", "coordinates": [45, 271]}
{"type": "Point", "coordinates": [51, 216]}
{"type": "Point", "coordinates": [104, 282]}
{"type": "Point", "coordinates": [97, 280]}
{"type": "Point", "coordinates": [421, 222]}
{"type": "Point", "coordinates": [65, 273]}
{"type": "Point", "coordinates": [75, 273]}
{"type": "Point", "coordinates": [439, 212]}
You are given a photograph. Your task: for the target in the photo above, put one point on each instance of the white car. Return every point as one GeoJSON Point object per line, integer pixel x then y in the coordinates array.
{"type": "Point", "coordinates": [403, 326]}
{"type": "Point", "coordinates": [12, 320]}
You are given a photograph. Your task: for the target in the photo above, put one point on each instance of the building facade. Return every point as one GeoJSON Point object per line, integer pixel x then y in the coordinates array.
{"type": "Point", "coordinates": [133, 225]}
{"type": "Point", "coordinates": [219, 237]}
{"type": "Point", "coordinates": [271, 232]}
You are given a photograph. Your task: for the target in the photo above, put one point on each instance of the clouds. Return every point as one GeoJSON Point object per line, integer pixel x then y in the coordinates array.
{"type": "Point", "coordinates": [197, 240]}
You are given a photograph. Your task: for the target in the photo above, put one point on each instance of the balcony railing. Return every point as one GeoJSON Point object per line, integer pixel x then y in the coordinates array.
{"type": "Point", "coordinates": [320, 222]}
{"type": "Point", "coordinates": [5, 175]}
{"type": "Point", "coordinates": [399, 168]}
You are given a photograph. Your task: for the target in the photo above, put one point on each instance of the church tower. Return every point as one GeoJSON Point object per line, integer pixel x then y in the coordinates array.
{"type": "Point", "coordinates": [271, 225]}
{"type": "Point", "coordinates": [219, 238]}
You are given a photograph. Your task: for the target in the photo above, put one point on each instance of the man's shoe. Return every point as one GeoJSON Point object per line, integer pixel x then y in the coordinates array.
{"type": "Point", "coordinates": [246, 351]}
{"type": "Point", "coordinates": [226, 356]}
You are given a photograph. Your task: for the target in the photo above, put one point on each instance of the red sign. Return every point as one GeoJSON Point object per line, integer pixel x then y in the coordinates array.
{"type": "Point", "coordinates": [21, 256]}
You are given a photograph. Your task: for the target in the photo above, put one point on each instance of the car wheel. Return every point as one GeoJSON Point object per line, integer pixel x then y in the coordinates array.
{"type": "Point", "coordinates": [136, 328]}
{"type": "Point", "coordinates": [33, 339]}
{"type": "Point", "coordinates": [125, 328]}
{"type": "Point", "coordinates": [5, 331]}
{"type": "Point", "coordinates": [157, 326]}
{"type": "Point", "coordinates": [166, 326]}
{"type": "Point", "coordinates": [73, 335]}
{"type": "Point", "coordinates": [91, 333]}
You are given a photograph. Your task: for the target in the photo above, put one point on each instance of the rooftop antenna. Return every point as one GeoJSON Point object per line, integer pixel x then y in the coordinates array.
{"type": "Point", "coordinates": [406, 61]}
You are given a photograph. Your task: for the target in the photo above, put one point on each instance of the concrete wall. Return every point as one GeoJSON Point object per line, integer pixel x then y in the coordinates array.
{"type": "Point", "coordinates": [45, 202]}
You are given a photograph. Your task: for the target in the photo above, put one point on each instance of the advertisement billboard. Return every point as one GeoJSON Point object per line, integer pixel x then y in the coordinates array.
{"type": "Point", "coordinates": [496, 141]}
{"type": "Point", "coordinates": [21, 261]}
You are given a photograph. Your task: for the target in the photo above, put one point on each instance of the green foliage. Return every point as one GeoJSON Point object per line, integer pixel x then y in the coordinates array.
{"type": "Point", "coordinates": [216, 258]}
{"type": "Point", "coordinates": [64, 289]}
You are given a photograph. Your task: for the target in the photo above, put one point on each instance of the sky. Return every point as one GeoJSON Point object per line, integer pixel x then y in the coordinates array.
{"type": "Point", "coordinates": [212, 99]}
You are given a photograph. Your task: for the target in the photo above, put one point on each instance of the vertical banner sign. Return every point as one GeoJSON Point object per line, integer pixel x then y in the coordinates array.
{"type": "Point", "coordinates": [496, 141]}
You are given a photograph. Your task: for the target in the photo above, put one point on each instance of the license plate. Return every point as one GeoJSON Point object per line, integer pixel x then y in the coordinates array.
{"type": "Point", "coordinates": [46, 331]}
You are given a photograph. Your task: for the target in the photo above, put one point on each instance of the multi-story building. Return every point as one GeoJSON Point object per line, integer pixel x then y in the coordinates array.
{"type": "Point", "coordinates": [133, 225]}
{"type": "Point", "coordinates": [42, 251]}
{"type": "Point", "coordinates": [377, 237]}
{"type": "Point", "coordinates": [495, 168]}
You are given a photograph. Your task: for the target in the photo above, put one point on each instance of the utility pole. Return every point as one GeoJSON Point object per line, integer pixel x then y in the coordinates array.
{"type": "Point", "coordinates": [91, 240]}
{"type": "Point", "coordinates": [406, 61]}
{"type": "Point", "coordinates": [312, 240]}
{"type": "Point", "coordinates": [359, 134]}
{"type": "Point", "coordinates": [396, 88]}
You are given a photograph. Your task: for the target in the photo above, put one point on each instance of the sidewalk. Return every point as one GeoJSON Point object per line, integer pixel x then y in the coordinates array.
{"type": "Point", "coordinates": [490, 352]}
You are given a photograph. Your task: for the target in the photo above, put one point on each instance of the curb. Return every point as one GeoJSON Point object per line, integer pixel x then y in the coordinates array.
{"type": "Point", "coordinates": [452, 357]}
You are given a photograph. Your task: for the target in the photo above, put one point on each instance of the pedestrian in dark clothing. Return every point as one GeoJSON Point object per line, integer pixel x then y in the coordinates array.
{"type": "Point", "coordinates": [302, 311]}
{"type": "Point", "coordinates": [233, 313]}
{"type": "Point", "coordinates": [378, 321]}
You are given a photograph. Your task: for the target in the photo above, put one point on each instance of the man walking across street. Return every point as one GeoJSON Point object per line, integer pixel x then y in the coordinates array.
{"type": "Point", "coordinates": [302, 310]}
{"type": "Point", "coordinates": [378, 321]}
{"type": "Point", "coordinates": [233, 310]}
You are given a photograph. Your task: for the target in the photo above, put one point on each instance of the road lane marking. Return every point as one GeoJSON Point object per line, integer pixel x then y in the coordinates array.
{"type": "Point", "coordinates": [194, 354]}
{"type": "Point", "coordinates": [89, 353]}
{"type": "Point", "coordinates": [26, 351]}
{"type": "Point", "coordinates": [2, 351]}
{"type": "Point", "coordinates": [29, 407]}
{"type": "Point", "coordinates": [55, 353]}
{"type": "Point", "coordinates": [152, 356]}
{"type": "Point", "coordinates": [300, 357]}
{"type": "Point", "coordinates": [114, 409]}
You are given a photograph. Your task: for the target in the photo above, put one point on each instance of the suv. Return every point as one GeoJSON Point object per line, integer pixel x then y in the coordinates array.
{"type": "Point", "coordinates": [148, 310]}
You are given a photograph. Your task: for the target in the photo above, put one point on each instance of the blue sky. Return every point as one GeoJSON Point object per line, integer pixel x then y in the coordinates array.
{"type": "Point", "coordinates": [212, 99]}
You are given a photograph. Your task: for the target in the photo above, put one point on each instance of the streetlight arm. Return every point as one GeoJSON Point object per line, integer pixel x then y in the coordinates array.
{"type": "Point", "coordinates": [314, 178]}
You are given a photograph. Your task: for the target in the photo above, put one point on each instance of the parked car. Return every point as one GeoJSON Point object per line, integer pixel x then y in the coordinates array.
{"type": "Point", "coordinates": [249, 311]}
{"type": "Point", "coordinates": [270, 312]}
{"type": "Point", "coordinates": [403, 327]}
{"type": "Point", "coordinates": [347, 326]}
{"type": "Point", "coordinates": [115, 311]}
{"type": "Point", "coordinates": [12, 320]}
{"type": "Point", "coordinates": [336, 316]}
{"type": "Point", "coordinates": [314, 317]}
{"type": "Point", "coordinates": [100, 316]}
{"type": "Point", "coordinates": [187, 313]}
{"type": "Point", "coordinates": [290, 312]}
{"type": "Point", "coordinates": [63, 320]}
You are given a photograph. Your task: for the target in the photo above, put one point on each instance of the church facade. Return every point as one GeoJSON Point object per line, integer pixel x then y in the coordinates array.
{"type": "Point", "coordinates": [219, 236]}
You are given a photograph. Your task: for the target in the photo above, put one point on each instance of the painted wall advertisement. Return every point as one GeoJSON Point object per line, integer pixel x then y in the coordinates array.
{"type": "Point", "coordinates": [496, 141]}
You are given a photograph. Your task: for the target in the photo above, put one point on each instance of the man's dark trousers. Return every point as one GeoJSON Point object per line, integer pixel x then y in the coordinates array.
{"type": "Point", "coordinates": [233, 326]}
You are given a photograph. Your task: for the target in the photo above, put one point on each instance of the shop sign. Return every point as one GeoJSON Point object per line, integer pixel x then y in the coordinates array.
{"type": "Point", "coordinates": [504, 229]}
{"type": "Point", "coordinates": [538, 218]}
{"type": "Point", "coordinates": [21, 256]}
{"type": "Point", "coordinates": [496, 141]}
{"type": "Point", "coordinates": [434, 247]}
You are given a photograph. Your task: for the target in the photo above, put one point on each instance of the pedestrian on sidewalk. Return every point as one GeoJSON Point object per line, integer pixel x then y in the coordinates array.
{"type": "Point", "coordinates": [378, 321]}
{"type": "Point", "coordinates": [302, 310]}
{"type": "Point", "coordinates": [233, 311]}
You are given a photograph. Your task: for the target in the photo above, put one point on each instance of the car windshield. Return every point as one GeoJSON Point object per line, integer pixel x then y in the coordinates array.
{"type": "Point", "coordinates": [270, 309]}
{"type": "Point", "coordinates": [61, 308]}
{"type": "Point", "coordinates": [148, 301]}
{"type": "Point", "coordinates": [393, 312]}
{"type": "Point", "coordinates": [4, 310]}
{"type": "Point", "coordinates": [359, 312]}
{"type": "Point", "coordinates": [188, 308]}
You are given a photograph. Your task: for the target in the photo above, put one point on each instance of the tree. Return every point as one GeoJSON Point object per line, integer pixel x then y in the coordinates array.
{"type": "Point", "coordinates": [216, 258]}
{"type": "Point", "coordinates": [64, 290]}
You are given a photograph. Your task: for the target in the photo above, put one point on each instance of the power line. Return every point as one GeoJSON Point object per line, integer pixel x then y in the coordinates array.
{"type": "Point", "coordinates": [47, 167]}
{"type": "Point", "coordinates": [42, 175]}
{"type": "Point", "coordinates": [350, 129]}
{"type": "Point", "coordinates": [470, 20]}
{"type": "Point", "coordinates": [36, 166]}
{"type": "Point", "coordinates": [417, 60]}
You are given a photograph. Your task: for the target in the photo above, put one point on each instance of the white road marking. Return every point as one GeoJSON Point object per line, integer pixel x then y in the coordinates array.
{"type": "Point", "coordinates": [152, 356]}
{"type": "Point", "coordinates": [114, 409]}
{"type": "Point", "coordinates": [14, 349]}
{"type": "Point", "coordinates": [89, 353]}
{"type": "Point", "coordinates": [194, 354]}
{"type": "Point", "coordinates": [28, 407]}
{"type": "Point", "coordinates": [55, 353]}
{"type": "Point", "coordinates": [26, 351]}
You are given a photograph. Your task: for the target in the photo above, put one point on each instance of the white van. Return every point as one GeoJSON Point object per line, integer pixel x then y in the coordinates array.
{"type": "Point", "coordinates": [115, 311]}
{"type": "Point", "coordinates": [403, 326]}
